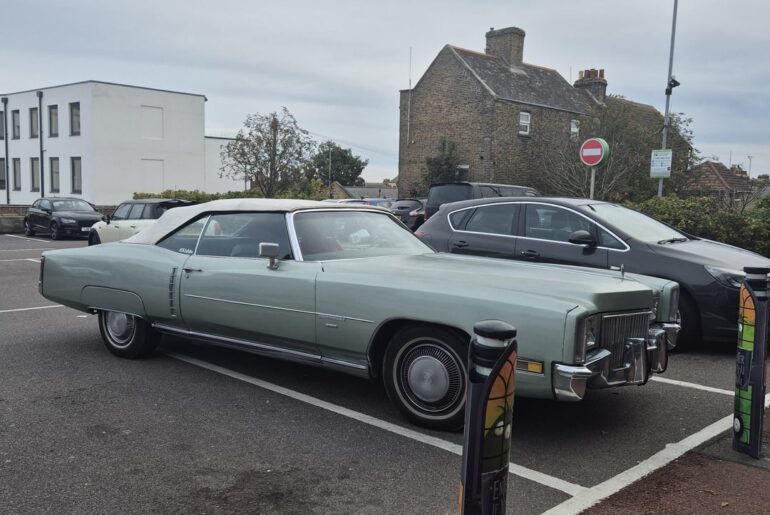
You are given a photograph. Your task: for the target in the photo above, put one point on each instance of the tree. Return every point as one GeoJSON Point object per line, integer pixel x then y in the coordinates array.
{"type": "Point", "coordinates": [270, 151]}
{"type": "Point", "coordinates": [346, 167]}
{"type": "Point", "coordinates": [632, 132]}
{"type": "Point", "coordinates": [443, 167]}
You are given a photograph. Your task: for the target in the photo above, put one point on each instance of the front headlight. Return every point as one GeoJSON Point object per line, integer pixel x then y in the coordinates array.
{"type": "Point", "coordinates": [726, 276]}
{"type": "Point", "coordinates": [587, 337]}
{"type": "Point", "coordinates": [68, 221]}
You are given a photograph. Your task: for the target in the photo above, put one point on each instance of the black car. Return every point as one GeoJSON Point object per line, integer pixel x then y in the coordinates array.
{"type": "Point", "coordinates": [442, 193]}
{"type": "Point", "coordinates": [604, 235]}
{"type": "Point", "coordinates": [60, 217]}
{"type": "Point", "coordinates": [410, 211]}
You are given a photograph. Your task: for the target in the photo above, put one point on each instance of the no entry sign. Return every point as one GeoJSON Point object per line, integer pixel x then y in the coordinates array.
{"type": "Point", "coordinates": [594, 151]}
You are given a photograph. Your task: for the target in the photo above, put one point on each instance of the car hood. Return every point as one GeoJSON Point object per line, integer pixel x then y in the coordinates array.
{"type": "Point", "coordinates": [708, 252]}
{"type": "Point", "coordinates": [79, 215]}
{"type": "Point", "coordinates": [496, 278]}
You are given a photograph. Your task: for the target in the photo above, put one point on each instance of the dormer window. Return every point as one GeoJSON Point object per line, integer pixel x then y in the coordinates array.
{"type": "Point", "coordinates": [525, 120]}
{"type": "Point", "coordinates": [574, 130]}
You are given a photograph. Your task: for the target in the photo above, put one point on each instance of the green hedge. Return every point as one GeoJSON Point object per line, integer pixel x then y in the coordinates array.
{"type": "Point", "coordinates": [197, 195]}
{"type": "Point", "coordinates": [712, 219]}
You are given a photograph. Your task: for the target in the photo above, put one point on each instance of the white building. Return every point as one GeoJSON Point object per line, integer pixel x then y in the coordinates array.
{"type": "Point", "coordinates": [103, 142]}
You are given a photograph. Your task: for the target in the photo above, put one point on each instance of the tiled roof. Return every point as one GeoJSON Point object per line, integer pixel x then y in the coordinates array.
{"type": "Point", "coordinates": [527, 84]}
{"type": "Point", "coordinates": [715, 176]}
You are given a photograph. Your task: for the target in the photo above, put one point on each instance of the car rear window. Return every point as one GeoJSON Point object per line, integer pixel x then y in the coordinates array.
{"type": "Point", "coordinates": [406, 205]}
{"type": "Point", "coordinates": [445, 193]}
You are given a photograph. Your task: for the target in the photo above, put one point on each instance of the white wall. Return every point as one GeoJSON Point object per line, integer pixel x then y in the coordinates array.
{"type": "Point", "coordinates": [214, 183]}
{"type": "Point", "coordinates": [64, 146]}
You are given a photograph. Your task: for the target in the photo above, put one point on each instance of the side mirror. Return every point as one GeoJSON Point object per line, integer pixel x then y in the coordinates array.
{"type": "Point", "coordinates": [583, 238]}
{"type": "Point", "coordinates": [106, 219]}
{"type": "Point", "coordinates": [270, 251]}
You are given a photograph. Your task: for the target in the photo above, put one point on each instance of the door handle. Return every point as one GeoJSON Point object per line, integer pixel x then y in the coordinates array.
{"type": "Point", "coordinates": [460, 244]}
{"type": "Point", "coordinates": [530, 254]}
{"type": "Point", "coordinates": [191, 270]}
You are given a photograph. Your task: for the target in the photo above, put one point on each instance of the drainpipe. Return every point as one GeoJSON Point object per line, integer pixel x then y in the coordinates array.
{"type": "Point", "coordinates": [5, 134]}
{"type": "Point", "coordinates": [40, 137]}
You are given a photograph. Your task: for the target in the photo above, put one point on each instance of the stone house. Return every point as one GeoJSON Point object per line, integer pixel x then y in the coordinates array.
{"type": "Point", "coordinates": [715, 179]}
{"type": "Point", "coordinates": [501, 113]}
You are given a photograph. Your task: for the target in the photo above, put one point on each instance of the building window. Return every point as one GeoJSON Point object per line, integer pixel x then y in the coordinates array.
{"type": "Point", "coordinates": [34, 170]}
{"type": "Point", "coordinates": [54, 168]}
{"type": "Point", "coordinates": [77, 176]}
{"type": "Point", "coordinates": [75, 119]}
{"type": "Point", "coordinates": [16, 124]}
{"type": "Point", "coordinates": [574, 130]}
{"type": "Point", "coordinates": [2, 173]}
{"type": "Point", "coordinates": [33, 125]}
{"type": "Point", "coordinates": [2, 125]}
{"type": "Point", "coordinates": [525, 120]}
{"type": "Point", "coordinates": [16, 174]}
{"type": "Point", "coordinates": [53, 121]}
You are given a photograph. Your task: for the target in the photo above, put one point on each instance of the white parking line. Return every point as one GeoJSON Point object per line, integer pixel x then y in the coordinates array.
{"type": "Point", "coordinates": [26, 250]}
{"type": "Point", "coordinates": [672, 451]}
{"type": "Point", "coordinates": [692, 385]}
{"type": "Point", "coordinates": [44, 242]}
{"type": "Point", "coordinates": [20, 259]}
{"type": "Point", "coordinates": [29, 309]}
{"type": "Point", "coordinates": [518, 470]}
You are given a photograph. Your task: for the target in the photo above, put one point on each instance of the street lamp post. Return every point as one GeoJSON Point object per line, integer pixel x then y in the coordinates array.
{"type": "Point", "coordinates": [670, 85]}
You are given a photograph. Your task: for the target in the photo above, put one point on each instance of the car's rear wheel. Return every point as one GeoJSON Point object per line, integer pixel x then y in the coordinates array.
{"type": "Point", "coordinates": [55, 231]}
{"type": "Point", "coordinates": [28, 228]}
{"type": "Point", "coordinates": [93, 238]}
{"type": "Point", "coordinates": [424, 375]}
{"type": "Point", "coordinates": [127, 336]}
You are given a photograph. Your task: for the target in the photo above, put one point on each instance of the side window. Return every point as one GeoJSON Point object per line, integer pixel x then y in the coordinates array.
{"type": "Point", "coordinates": [36, 204]}
{"type": "Point", "coordinates": [136, 212]}
{"type": "Point", "coordinates": [457, 219]}
{"type": "Point", "coordinates": [609, 241]}
{"type": "Point", "coordinates": [45, 204]}
{"type": "Point", "coordinates": [552, 223]}
{"type": "Point", "coordinates": [239, 235]}
{"type": "Point", "coordinates": [489, 192]}
{"type": "Point", "coordinates": [185, 239]}
{"type": "Point", "coordinates": [121, 213]}
{"type": "Point", "coordinates": [497, 219]}
{"type": "Point", "coordinates": [151, 212]}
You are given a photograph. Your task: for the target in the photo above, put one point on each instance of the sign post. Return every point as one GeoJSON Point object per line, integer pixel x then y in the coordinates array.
{"type": "Point", "coordinates": [660, 163]}
{"type": "Point", "coordinates": [751, 362]}
{"type": "Point", "coordinates": [593, 152]}
{"type": "Point", "coordinates": [488, 417]}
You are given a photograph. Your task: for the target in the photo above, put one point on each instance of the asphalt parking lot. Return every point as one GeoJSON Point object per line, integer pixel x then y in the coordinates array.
{"type": "Point", "coordinates": [197, 429]}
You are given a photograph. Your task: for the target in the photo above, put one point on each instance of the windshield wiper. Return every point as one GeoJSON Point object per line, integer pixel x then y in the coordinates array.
{"type": "Point", "coordinates": [673, 240]}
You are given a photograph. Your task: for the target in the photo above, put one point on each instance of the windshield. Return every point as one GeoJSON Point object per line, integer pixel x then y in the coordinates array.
{"type": "Point", "coordinates": [330, 235]}
{"type": "Point", "coordinates": [634, 223]}
{"type": "Point", "coordinates": [71, 205]}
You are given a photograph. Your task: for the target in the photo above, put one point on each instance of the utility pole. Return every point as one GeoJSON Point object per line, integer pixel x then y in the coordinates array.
{"type": "Point", "coordinates": [670, 84]}
{"type": "Point", "coordinates": [331, 195]}
{"type": "Point", "coordinates": [750, 158]}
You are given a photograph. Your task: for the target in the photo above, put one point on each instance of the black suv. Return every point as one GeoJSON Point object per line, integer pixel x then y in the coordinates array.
{"type": "Point", "coordinates": [444, 192]}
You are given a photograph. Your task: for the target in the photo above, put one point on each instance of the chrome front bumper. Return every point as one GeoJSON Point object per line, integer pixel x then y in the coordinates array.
{"type": "Point", "coordinates": [641, 358]}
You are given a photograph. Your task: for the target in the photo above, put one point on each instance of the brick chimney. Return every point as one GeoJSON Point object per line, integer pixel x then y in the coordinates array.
{"type": "Point", "coordinates": [507, 44]}
{"type": "Point", "coordinates": [593, 80]}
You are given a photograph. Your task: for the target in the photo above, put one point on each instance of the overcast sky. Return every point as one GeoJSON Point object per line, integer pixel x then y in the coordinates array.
{"type": "Point", "coordinates": [338, 65]}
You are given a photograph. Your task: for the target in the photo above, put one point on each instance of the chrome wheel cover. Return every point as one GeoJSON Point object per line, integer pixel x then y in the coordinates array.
{"type": "Point", "coordinates": [430, 376]}
{"type": "Point", "coordinates": [120, 328]}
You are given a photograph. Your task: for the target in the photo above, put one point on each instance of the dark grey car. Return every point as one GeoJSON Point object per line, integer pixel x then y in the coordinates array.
{"type": "Point", "coordinates": [60, 216]}
{"type": "Point", "coordinates": [604, 235]}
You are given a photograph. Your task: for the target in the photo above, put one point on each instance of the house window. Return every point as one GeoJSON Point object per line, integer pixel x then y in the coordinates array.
{"type": "Point", "coordinates": [16, 174]}
{"type": "Point", "coordinates": [53, 121]}
{"type": "Point", "coordinates": [525, 120]}
{"type": "Point", "coordinates": [77, 177]}
{"type": "Point", "coordinates": [16, 124]}
{"type": "Point", "coordinates": [75, 119]}
{"type": "Point", "coordinates": [2, 173]}
{"type": "Point", "coordinates": [574, 130]}
{"type": "Point", "coordinates": [54, 168]}
{"type": "Point", "coordinates": [33, 125]}
{"type": "Point", "coordinates": [2, 125]}
{"type": "Point", "coordinates": [34, 170]}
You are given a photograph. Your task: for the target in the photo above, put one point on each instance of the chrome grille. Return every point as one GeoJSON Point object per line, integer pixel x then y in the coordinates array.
{"type": "Point", "coordinates": [618, 327]}
{"type": "Point", "coordinates": [172, 292]}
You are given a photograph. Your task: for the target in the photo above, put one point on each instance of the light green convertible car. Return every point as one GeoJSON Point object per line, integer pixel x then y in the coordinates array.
{"type": "Point", "coordinates": [350, 288]}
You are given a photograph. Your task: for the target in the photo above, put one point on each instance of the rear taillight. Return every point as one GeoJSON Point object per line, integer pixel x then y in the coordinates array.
{"type": "Point", "coordinates": [414, 212]}
{"type": "Point", "coordinates": [419, 234]}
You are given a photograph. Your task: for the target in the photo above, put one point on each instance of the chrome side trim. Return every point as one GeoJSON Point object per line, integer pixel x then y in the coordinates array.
{"type": "Point", "coordinates": [343, 317]}
{"type": "Point", "coordinates": [344, 363]}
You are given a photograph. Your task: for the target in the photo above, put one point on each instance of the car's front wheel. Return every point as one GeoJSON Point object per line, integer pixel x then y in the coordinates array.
{"type": "Point", "coordinates": [689, 321]}
{"type": "Point", "coordinates": [424, 375]}
{"type": "Point", "coordinates": [55, 231]}
{"type": "Point", "coordinates": [127, 336]}
{"type": "Point", "coordinates": [93, 238]}
{"type": "Point", "coordinates": [28, 228]}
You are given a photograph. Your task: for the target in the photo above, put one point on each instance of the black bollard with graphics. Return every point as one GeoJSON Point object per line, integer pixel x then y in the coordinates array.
{"type": "Point", "coordinates": [751, 362]}
{"type": "Point", "coordinates": [488, 416]}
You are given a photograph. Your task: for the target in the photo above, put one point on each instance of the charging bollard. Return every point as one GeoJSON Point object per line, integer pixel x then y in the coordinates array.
{"type": "Point", "coordinates": [488, 416]}
{"type": "Point", "coordinates": [751, 362]}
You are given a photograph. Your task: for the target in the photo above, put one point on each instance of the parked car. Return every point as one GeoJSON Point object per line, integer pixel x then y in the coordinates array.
{"type": "Point", "coordinates": [131, 217]}
{"type": "Point", "coordinates": [600, 234]}
{"type": "Point", "coordinates": [351, 289]}
{"type": "Point", "coordinates": [444, 192]}
{"type": "Point", "coordinates": [410, 211]}
{"type": "Point", "coordinates": [60, 217]}
{"type": "Point", "coordinates": [379, 202]}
